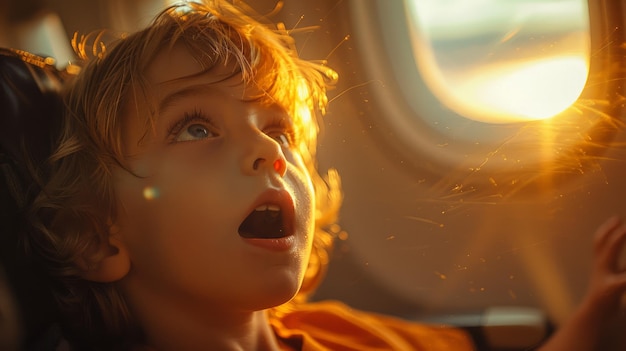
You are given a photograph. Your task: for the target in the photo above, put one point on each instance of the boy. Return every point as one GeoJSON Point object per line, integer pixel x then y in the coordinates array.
{"type": "Point", "coordinates": [184, 205]}
{"type": "Point", "coordinates": [184, 210]}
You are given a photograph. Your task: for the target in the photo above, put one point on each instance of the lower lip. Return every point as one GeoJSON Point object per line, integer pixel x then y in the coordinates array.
{"type": "Point", "coordinates": [277, 244]}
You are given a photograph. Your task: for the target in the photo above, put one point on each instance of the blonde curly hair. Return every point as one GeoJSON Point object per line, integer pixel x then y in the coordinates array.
{"type": "Point", "coordinates": [78, 203]}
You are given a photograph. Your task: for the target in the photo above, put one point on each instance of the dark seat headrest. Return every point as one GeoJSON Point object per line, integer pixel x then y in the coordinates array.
{"type": "Point", "coordinates": [30, 115]}
{"type": "Point", "coordinates": [30, 108]}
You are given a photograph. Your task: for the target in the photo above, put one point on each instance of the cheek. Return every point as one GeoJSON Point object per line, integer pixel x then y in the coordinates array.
{"type": "Point", "coordinates": [171, 237]}
{"type": "Point", "coordinates": [305, 194]}
{"type": "Point", "coordinates": [302, 178]}
{"type": "Point", "coordinates": [170, 201]}
{"type": "Point", "coordinates": [156, 210]}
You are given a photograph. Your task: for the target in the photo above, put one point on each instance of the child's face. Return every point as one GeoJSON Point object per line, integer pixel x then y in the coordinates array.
{"type": "Point", "coordinates": [212, 158]}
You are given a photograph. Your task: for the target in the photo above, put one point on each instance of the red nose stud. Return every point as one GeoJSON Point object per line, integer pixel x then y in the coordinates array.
{"type": "Point", "coordinates": [279, 166]}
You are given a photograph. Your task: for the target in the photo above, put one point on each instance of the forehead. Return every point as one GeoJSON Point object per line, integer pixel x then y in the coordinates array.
{"type": "Point", "coordinates": [176, 68]}
{"type": "Point", "coordinates": [172, 63]}
{"type": "Point", "coordinates": [176, 64]}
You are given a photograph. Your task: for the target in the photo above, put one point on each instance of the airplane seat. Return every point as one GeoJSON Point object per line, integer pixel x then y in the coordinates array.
{"type": "Point", "coordinates": [30, 110]}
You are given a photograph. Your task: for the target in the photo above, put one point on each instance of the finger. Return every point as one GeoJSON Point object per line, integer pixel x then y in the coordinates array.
{"type": "Point", "coordinates": [615, 247]}
{"type": "Point", "coordinates": [604, 231]}
{"type": "Point", "coordinates": [621, 282]}
{"type": "Point", "coordinates": [607, 253]}
{"type": "Point", "coordinates": [617, 285]}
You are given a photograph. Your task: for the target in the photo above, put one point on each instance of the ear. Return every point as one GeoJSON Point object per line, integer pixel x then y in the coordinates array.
{"type": "Point", "coordinates": [113, 263]}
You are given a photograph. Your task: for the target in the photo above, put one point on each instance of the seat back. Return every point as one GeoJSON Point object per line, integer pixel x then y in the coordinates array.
{"type": "Point", "coordinates": [30, 114]}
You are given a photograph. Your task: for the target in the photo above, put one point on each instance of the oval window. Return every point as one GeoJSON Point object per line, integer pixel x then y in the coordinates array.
{"type": "Point", "coordinates": [501, 61]}
{"type": "Point", "coordinates": [472, 92]}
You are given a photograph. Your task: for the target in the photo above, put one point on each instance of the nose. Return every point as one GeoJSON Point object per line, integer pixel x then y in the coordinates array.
{"type": "Point", "coordinates": [263, 154]}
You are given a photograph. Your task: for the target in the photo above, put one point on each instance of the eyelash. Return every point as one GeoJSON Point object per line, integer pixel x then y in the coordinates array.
{"type": "Point", "coordinates": [194, 116]}
{"type": "Point", "coordinates": [275, 125]}
{"type": "Point", "coordinates": [282, 126]}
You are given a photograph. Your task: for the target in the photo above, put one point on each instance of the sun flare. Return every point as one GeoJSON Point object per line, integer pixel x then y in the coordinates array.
{"type": "Point", "coordinates": [520, 91]}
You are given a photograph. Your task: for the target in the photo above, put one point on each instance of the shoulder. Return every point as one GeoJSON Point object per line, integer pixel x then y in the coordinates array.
{"type": "Point", "coordinates": [333, 325]}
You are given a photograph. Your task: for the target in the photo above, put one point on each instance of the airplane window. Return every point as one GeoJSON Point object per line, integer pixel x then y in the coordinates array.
{"type": "Point", "coordinates": [505, 199]}
{"type": "Point", "coordinates": [502, 60]}
{"type": "Point", "coordinates": [494, 89]}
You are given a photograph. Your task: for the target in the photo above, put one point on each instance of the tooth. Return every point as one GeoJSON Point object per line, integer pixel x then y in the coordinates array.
{"type": "Point", "coordinates": [273, 208]}
{"type": "Point", "coordinates": [271, 216]}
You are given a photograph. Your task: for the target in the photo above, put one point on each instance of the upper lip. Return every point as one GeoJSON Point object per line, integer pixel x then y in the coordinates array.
{"type": "Point", "coordinates": [280, 198]}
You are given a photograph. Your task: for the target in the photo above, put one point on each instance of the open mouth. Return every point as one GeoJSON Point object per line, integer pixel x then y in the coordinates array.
{"type": "Point", "coordinates": [271, 216]}
{"type": "Point", "coordinates": [265, 222]}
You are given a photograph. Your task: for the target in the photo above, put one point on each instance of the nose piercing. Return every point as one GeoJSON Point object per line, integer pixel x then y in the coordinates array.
{"type": "Point", "coordinates": [279, 165]}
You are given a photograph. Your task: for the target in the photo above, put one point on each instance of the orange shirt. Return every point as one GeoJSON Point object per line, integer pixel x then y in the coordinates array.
{"type": "Point", "coordinates": [324, 326]}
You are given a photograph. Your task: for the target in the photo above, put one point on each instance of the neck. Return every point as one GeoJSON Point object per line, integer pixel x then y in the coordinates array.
{"type": "Point", "coordinates": [169, 324]}
{"type": "Point", "coordinates": [252, 332]}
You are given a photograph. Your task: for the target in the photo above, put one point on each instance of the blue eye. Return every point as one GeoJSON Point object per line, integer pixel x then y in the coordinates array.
{"type": "Point", "coordinates": [192, 127]}
{"type": "Point", "coordinates": [194, 132]}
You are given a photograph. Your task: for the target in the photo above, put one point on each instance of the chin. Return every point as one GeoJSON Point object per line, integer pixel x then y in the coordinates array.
{"type": "Point", "coordinates": [277, 292]}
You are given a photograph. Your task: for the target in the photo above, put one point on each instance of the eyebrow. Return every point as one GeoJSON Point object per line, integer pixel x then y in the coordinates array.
{"type": "Point", "coordinates": [192, 90]}
{"type": "Point", "coordinates": [205, 87]}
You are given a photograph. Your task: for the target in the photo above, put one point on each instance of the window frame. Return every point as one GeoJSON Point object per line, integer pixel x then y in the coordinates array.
{"type": "Point", "coordinates": [471, 147]}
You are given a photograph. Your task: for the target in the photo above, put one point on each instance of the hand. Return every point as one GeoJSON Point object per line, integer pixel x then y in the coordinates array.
{"type": "Point", "coordinates": [608, 279]}
{"type": "Point", "coordinates": [602, 308]}
{"type": "Point", "coordinates": [600, 321]}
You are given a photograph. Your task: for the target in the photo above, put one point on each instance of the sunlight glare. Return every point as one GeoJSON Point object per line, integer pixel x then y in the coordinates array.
{"type": "Point", "coordinates": [303, 109]}
{"type": "Point", "coordinates": [520, 91]}
{"type": "Point", "coordinates": [502, 61]}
